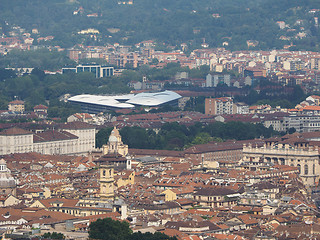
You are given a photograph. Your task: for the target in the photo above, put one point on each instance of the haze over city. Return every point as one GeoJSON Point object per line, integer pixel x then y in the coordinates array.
{"type": "Point", "coordinates": [140, 119]}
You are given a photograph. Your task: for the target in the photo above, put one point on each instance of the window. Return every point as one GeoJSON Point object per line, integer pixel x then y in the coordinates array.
{"type": "Point", "coordinates": [306, 171]}
{"type": "Point", "coordinates": [313, 169]}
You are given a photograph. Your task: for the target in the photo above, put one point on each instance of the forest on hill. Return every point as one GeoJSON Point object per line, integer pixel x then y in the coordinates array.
{"type": "Point", "coordinates": [218, 22]}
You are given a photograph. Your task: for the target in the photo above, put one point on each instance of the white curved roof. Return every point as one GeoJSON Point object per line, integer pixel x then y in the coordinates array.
{"type": "Point", "coordinates": [108, 101]}
{"type": "Point", "coordinates": [143, 99]}
{"type": "Point", "coordinates": [154, 99]}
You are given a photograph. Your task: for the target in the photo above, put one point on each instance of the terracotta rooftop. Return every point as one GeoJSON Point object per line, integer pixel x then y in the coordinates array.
{"type": "Point", "coordinates": [222, 146]}
{"type": "Point", "coordinates": [40, 107]}
{"type": "Point", "coordinates": [49, 136]}
{"type": "Point", "coordinates": [16, 102]}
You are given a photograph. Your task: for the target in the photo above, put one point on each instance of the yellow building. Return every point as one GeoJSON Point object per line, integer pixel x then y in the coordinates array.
{"type": "Point", "coordinates": [169, 195]}
{"type": "Point", "coordinates": [125, 178]}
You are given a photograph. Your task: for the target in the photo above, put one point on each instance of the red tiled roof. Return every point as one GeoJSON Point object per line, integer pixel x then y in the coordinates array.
{"type": "Point", "coordinates": [49, 136]}
{"type": "Point", "coordinates": [40, 107]}
{"type": "Point", "coordinates": [16, 102]}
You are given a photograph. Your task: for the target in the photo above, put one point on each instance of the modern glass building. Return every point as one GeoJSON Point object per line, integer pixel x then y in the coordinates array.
{"type": "Point", "coordinates": [98, 70]}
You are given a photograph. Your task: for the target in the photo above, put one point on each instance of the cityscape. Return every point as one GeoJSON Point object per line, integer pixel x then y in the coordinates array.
{"type": "Point", "coordinates": [182, 120]}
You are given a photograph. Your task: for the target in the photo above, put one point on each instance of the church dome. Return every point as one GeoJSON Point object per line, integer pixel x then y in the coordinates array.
{"type": "Point", "coordinates": [6, 180]}
{"type": "Point", "coordinates": [115, 131]}
{"type": "Point", "coordinates": [113, 138]}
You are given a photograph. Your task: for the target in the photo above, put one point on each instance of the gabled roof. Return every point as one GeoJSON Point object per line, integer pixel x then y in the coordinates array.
{"type": "Point", "coordinates": [48, 203]}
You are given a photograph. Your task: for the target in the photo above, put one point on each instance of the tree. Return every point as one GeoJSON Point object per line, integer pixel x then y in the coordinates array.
{"type": "Point", "coordinates": [39, 73]}
{"type": "Point", "coordinates": [53, 235]}
{"type": "Point", "coordinates": [291, 130]}
{"type": "Point", "coordinates": [108, 229]}
{"type": "Point", "coordinates": [151, 236]}
{"type": "Point", "coordinates": [102, 136]}
{"type": "Point", "coordinates": [154, 61]}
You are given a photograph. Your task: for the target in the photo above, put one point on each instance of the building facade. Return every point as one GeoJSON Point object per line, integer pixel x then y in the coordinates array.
{"type": "Point", "coordinates": [16, 106]}
{"type": "Point", "coordinates": [115, 144]}
{"type": "Point", "coordinates": [218, 106]}
{"type": "Point", "coordinates": [70, 138]}
{"type": "Point", "coordinates": [98, 70]}
{"type": "Point", "coordinates": [225, 151]}
{"type": "Point", "coordinates": [293, 152]}
{"type": "Point", "coordinates": [106, 182]}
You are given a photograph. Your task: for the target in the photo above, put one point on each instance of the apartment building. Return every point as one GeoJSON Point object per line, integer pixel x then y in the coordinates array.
{"type": "Point", "coordinates": [218, 106]}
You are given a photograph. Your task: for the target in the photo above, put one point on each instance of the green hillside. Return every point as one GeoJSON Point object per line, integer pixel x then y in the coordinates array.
{"type": "Point", "coordinates": [231, 22]}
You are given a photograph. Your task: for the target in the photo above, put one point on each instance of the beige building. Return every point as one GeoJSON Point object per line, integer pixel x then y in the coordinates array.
{"type": "Point", "coordinates": [215, 197]}
{"type": "Point", "coordinates": [115, 144]}
{"type": "Point", "coordinates": [286, 151]}
{"type": "Point", "coordinates": [16, 106]}
{"type": "Point", "coordinates": [106, 182]}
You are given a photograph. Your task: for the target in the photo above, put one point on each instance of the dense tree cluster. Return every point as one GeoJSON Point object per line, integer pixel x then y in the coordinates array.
{"type": "Point", "coordinates": [42, 59]}
{"type": "Point", "coordinates": [173, 136]}
{"type": "Point", "coordinates": [53, 235]}
{"type": "Point", "coordinates": [108, 229]}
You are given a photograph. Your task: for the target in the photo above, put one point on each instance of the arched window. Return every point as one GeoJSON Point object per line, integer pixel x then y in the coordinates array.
{"type": "Point", "coordinates": [104, 173]}
{"type": "Point", "coordinates": [306, 171]}
{"type": "Point", "coordinates": [299, 168]}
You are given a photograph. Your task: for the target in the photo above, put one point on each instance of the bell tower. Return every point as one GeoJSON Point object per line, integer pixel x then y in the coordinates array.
{"type": "Point", "coordinates": [106, 182]}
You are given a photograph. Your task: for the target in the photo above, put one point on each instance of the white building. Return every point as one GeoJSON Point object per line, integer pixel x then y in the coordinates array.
{"type": "Point", "coordinates": [240, 108]}
{"type": "Point", "coordinates": [213, 81]}
{"type": "Point", "coordinates": [70, 138]}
